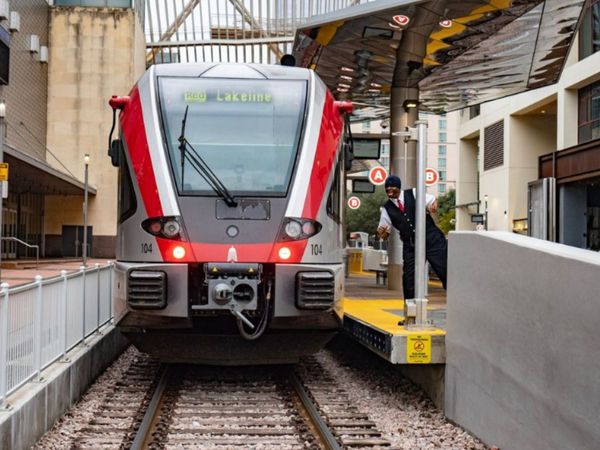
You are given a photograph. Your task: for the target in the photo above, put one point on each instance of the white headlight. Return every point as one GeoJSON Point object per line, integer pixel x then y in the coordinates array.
{"type": "Point", "coordinates": [171, 228]}
{"type": "Point", "coordinates": [293, 229]}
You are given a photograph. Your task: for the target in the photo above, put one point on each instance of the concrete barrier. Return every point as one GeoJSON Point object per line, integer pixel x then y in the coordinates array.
{"type": "Point", "coordinates": [522, 349]}
{"type": "Point", "coordinates": [37, 405]}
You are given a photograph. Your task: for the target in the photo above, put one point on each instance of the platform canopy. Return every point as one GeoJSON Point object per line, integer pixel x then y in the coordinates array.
{"type": "Point", "coordinates": [458, 53]}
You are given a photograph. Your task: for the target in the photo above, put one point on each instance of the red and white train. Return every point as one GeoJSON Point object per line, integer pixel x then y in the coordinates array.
{"type": "Point", "coordinates": [231, 193]}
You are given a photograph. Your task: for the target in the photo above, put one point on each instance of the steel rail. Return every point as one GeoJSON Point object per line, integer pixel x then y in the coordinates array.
{"type": "Point", "coordinates": [146, 425]}
{"type": "Point", "coordinates": [320, 424]}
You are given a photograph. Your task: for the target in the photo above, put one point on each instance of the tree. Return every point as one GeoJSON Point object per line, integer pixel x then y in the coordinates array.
{"type": "Point", "coordinates": [366, 217]}
{"type": "Point", "coordinates": [447, 211]}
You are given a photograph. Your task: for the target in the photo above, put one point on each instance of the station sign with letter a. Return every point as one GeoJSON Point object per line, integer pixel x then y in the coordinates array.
{"type": "Point", "coordinates": [377, 175]}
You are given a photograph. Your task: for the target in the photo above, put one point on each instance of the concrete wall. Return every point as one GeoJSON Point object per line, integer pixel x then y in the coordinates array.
{"type": "Point", "coordinates": [94, 53]}
{"type": "Point", "coordinates": [522, 353]}
{"type": "Point", "coordinates": [25, 95]}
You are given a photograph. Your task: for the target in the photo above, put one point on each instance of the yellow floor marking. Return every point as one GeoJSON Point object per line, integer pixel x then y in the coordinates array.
{"type": "Point", "coordinates": [373, 312]}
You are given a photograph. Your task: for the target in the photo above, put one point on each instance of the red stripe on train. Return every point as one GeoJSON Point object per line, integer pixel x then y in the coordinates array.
{"type": "Point", "coordinates": [246, 253]}
{"type": "Point", "coordinates": [327, 145]}
{"type": "Point", "coordinates": [134, 132]}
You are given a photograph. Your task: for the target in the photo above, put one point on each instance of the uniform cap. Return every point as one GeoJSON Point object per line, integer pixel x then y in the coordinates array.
{"type": "Point", "coordinates": [393, 180]}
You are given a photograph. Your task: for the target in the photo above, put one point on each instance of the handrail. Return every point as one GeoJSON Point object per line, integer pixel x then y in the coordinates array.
{"type": "Point", "coordinates": [19, 241]}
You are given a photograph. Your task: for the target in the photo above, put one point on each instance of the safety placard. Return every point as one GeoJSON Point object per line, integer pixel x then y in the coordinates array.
{"type": "Point", "coordinates": [418, 349]}
{"type": "Point", "coordinates": [3, 171]}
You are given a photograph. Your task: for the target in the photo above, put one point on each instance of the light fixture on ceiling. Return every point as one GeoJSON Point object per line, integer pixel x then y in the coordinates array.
{"type": "Point", "coordinates": [410, 104]}
{"type": "Point", "coordinates": [346, 69]}
{"type": "Point", "coordinates": [445, 23]}
{"type": "Point", "coordinates": [346, 77]}
{"type": "Point", "coordinates": [344, 85]}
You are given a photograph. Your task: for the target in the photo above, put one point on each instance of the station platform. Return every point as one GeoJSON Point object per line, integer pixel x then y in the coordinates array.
{"type": "Point", "coordinates": [374, 316]}
{"type": "Point", "coordinates": [18, 272]}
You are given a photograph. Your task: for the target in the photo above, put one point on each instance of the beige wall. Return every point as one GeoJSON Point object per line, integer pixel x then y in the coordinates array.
{"type": "Point", "coordinates": [530, 137]}
{"type": "Point", "coordinates": [94, 53]}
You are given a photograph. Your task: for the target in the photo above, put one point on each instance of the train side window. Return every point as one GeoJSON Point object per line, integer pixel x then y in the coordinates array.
{"type": "Point", "coordinates": [127, 201]}
{"type": "Point", "coordinates": [334, 198]}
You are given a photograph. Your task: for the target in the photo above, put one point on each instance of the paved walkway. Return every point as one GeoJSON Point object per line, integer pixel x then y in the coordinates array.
{"type": "Point", "coordinates": [362, 286]}
{"type": "Point", "coordinates": [47, 269]}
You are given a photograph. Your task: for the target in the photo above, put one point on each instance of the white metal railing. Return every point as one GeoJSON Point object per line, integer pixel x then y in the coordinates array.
{"type": "Point", "coordinates": [19, 241]}
{"type": "Point", "coordinates": [41, 321]}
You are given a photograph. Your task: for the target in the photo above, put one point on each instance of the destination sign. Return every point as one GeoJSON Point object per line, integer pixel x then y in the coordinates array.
{"type": "Point", "coordinates": [228, 96]}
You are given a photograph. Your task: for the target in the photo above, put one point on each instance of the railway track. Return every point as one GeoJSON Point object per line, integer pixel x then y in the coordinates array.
{"type": "Point", "coordinates": [217, 408]}
{"type": "Point", "coordinates": [151, 406]}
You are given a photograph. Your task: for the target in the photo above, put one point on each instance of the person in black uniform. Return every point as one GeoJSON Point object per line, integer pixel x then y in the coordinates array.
{"type": "Point", "coordinates": [399, 211]}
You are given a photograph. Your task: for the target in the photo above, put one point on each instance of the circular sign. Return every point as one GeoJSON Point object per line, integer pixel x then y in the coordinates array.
{"type": "Point", "coordinates": [401, 20]}
{"type": "Point", "coordinates": [431, 176]}
{"type": "Point", "coordinates": [377, 175]}
{"type": "Point", "coordinates": [354, 203]}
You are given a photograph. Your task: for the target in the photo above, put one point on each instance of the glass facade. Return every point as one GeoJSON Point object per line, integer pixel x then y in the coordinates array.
{"type": "Point", "coordinates": [589, 31]}
{"type": "Point", "coordinates": [589, 113]}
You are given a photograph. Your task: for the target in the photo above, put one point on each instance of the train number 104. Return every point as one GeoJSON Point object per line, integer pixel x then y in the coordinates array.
{"type": "Point", "coordinates": [146, 248]}
{"type": "Point", "coordinates": [316, 249]}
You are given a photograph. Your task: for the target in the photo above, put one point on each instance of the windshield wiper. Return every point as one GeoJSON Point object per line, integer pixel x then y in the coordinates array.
{"type": "Point", "coordinates": [189, 152]}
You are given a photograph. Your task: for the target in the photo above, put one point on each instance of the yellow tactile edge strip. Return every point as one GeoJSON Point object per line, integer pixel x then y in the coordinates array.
{"type": "Point", "coordinates": [371, 312]}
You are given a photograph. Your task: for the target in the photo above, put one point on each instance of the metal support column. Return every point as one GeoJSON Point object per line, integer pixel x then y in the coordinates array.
{"type": "Point", "coordinates": [402, 164]}
{"type": "Point", "coordinates": [420, 261]}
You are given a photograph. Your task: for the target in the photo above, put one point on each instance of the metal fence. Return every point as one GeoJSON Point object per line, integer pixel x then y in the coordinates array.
{"type": "Point", "coordinates": [41, 321]}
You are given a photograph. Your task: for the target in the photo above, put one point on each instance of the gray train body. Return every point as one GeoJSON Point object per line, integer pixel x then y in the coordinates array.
{"type": "Point", "coordinates": [231, 197]}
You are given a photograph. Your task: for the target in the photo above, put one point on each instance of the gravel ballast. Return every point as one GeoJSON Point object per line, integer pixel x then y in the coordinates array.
{"type": "Point", "coordinates": [401, 410]}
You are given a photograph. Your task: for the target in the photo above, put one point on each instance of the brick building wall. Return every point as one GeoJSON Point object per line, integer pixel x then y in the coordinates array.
{"type": "Point", "coordinates": [27, 92]}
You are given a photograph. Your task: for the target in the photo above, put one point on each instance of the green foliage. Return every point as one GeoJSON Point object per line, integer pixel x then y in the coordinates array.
{"type": "Point", "coordinates": [447, 211]}
{"type": "Point", "coordinates": [366, 217]}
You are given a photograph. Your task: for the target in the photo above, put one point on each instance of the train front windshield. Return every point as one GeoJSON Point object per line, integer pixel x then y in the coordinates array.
{"type": "Point", "coordinates": [247, 131]}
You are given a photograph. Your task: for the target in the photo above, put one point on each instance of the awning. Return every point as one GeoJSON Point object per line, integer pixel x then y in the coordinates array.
{"type": "Point", "coordinates": [458, 53]}
{"type": "Point", "coordinates": [31, 175]}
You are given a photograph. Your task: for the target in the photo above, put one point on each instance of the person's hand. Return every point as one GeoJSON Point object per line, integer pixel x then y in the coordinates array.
{"type": "Point", "coordinates": [383, 232]}
{"type": "Point", "coordinates": [433, 207]}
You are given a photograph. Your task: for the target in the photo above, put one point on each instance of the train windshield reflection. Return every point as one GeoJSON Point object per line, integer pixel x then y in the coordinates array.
{"type": "Point", "coordinates": [247, 131]}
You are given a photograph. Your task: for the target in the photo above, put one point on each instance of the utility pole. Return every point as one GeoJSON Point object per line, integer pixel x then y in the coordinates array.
{"type": "Point", "coordinates": [84, 250]}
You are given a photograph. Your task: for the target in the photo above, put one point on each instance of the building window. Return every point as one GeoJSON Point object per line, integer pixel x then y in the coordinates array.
{"type": "Point", "coordinates": [441, 163]}
{"type": "Point", "coordinates": [442, 137]}
{"type": "Point", "coordinates": [589, 30]}
{"type": "Point", "coordinates": [366, 126]}
{"type": "Point", "coordinates": [442, 124]}
{"type": "Point", "coordinates": [442, 188]}
{"type": "Point", "coordinates": [442, 150]}
{"type": "Point", "coordinates": [474, 111]}
{"type": "Point", "coordinates": [589, 113]}
{"type": "Point", "coordinates": [442, 175]}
